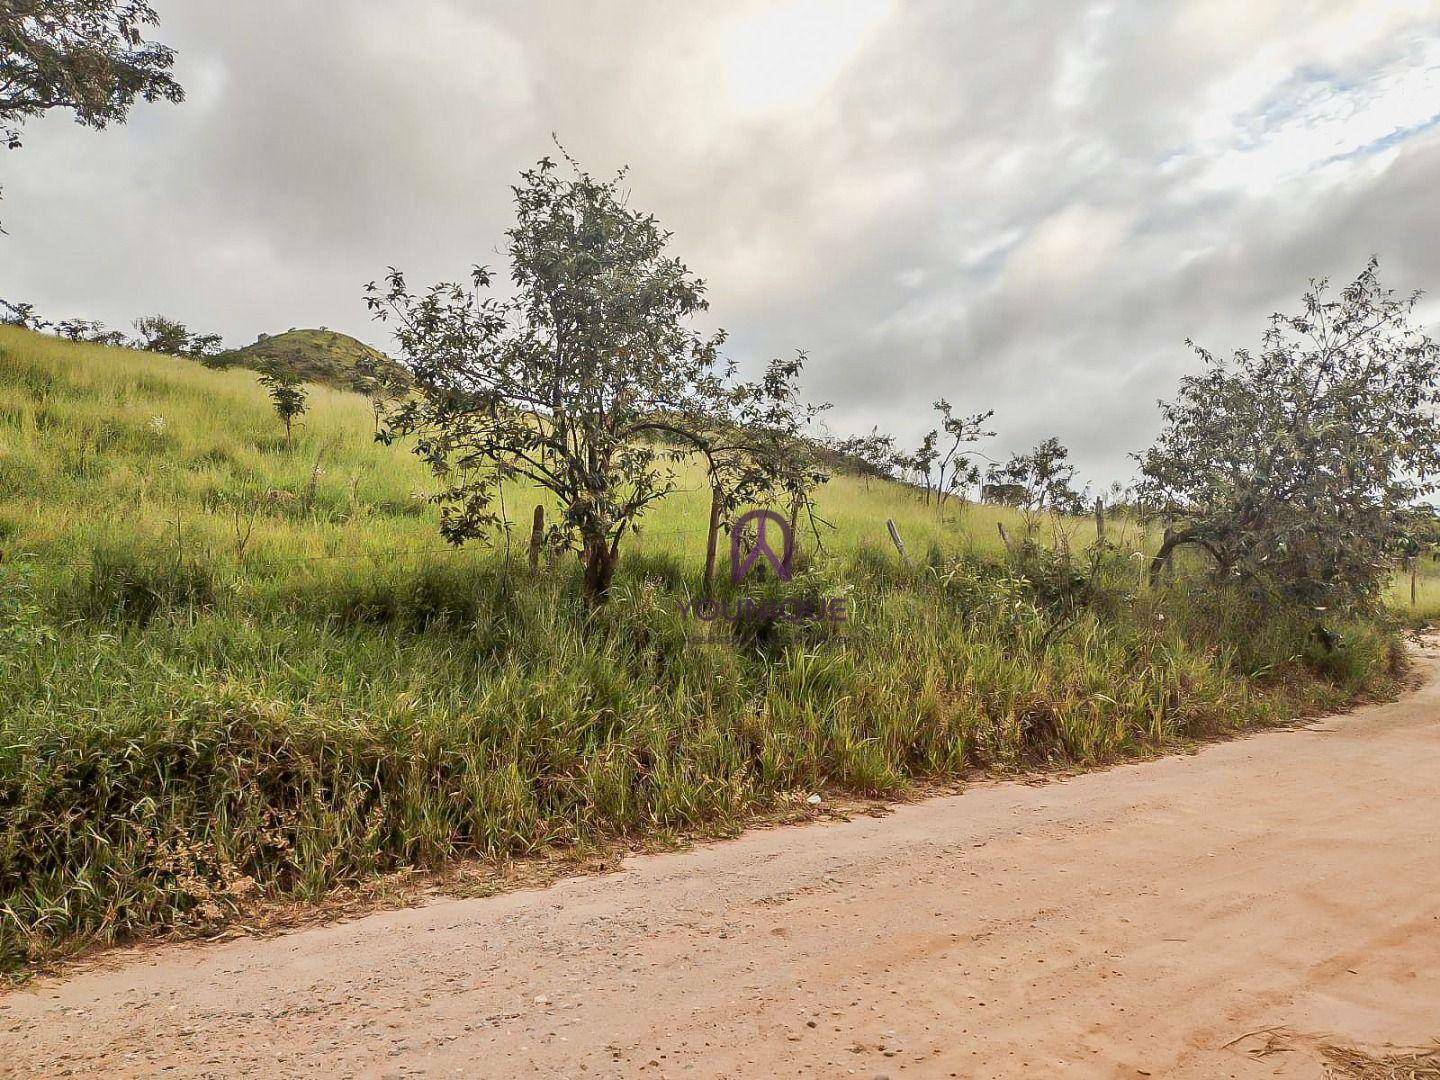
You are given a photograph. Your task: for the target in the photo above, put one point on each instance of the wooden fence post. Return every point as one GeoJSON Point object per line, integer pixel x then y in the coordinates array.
{"type": "Point", "coordinates": [537, 536]}
{"type": "Point", "coordinates": [899, 544]}
{"type": "Point", "coordinates": [712, 538]}
{"type": "Point", "coordinates": [1099, 520]}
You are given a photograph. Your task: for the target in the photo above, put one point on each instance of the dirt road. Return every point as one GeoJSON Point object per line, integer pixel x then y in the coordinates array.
{"type": "Point", "coordinates": [1212, 915]}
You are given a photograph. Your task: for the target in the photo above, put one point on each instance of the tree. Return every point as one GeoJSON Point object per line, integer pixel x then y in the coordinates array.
{"type": "Point", "coordinates": [78, 329]}
{"type": "Point", "coordinates": [1293, 466]}
{"type": "Point", "coordinates": [160, 334]}
{"type": "Point", "coordinates": [916, 467]}
{"type": "Point", "coordinates": [87, 56]}
{"type": "Point", "coordinates": [380, 381]}
{"type": "Point", "coordinates": [18, 313]}
{"type": "Point", "coordinates": [957, 471]}
{"type": "Point", "coordinates": [758, 452]}
{"type": "Point", "coordinates": [88, 330]}
{"type": "Point", "coordinates": [873, 455]}
{"type": "Point", "coordinates": [587, 380]}
{"type": "Point", "coordinates": [1041, 479]}
{"type": "Point", "coordinates": [156, 333]}
{"type": "Point", "coordinates": [286, 394]}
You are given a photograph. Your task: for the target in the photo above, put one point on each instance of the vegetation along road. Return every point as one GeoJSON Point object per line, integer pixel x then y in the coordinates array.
{"type": "Point", "coordinates": [1236, 912]}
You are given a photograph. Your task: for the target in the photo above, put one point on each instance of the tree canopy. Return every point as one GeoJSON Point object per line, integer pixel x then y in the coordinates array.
{"type": "Point", "coordinates": [161, 334]}
{"type": "Point", "coordinates": [1295, 466]}
{"type": "Point", "coordinates": [587, 380]}
{"type": "Point", "coordinates": [1039, 479]}
{"type": "Point", "coordinates": [88, 56]}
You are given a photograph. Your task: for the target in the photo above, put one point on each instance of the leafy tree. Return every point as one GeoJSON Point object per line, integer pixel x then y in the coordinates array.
{"type": "Point", "coordinates": [21, 314]}
{"type": "Point", "coordinates": [78, 329]}
{"type": "Point", "coordinates": [873, 455]}
{"type": "Point", "coordinates": [286, 394]}
{"type": "Point", "coordinates": [1041, 479]}
{"type": "Point", "coordinates": [160, 334]}
{"type": "Point", "coordinates": [156, 333]}
{"type": "Point", "coordinates": [88, 330]}
{"type": "Point", "coordinates": [1294, 466]}
{"type": "Point", "coordinates": [757, 452]}
{"type": "Point", "coordinates": [586, 380]}
{"type": "Point", "coordinates": [918, 465]}
{"type": "Point", "coordinates": [957, 470]}
{"type": "Point", "coordinates": [382, 383]}
{"type": "Point", "coordinates": [87, 56]}
{"type": "Point", "coordinates": [204, 347]}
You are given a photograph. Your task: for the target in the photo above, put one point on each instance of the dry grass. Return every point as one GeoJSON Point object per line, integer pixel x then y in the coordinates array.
{"type": "Point", "coordinates": [1351, 1064]}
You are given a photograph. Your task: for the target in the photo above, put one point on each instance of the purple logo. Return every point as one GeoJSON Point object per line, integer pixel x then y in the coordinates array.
{"type": "Point", "coordinates": [762, 611]}
{"type": "Point", "coordinates": [780, 563]}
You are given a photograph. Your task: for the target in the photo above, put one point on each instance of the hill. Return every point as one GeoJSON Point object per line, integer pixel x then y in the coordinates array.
{"type": "Point", "coordinates": [320, 356]}
{"type": "Point", "coordinates": [237, 669]}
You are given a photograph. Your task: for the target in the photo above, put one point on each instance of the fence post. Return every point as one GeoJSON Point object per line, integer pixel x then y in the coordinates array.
{"type": "Point", "coordinates": [537, 536]}
{"type": "Point", "coordinates": [899, 544]}
{"type": "Point", "coordinates": [1099, 520]}
{"type": "Point", "coordinates": [712, 538]}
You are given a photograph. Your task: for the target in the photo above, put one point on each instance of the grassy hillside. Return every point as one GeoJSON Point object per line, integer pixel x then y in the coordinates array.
{"type": "Point", "coordinates": [231, 671]}
{"type": "Point", "coordinates": [192, 454]}
{"type": "Point", "coordinates": [317, 356]}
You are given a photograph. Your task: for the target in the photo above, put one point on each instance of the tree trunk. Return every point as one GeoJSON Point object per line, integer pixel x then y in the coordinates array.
{"type": "Point", "coordinates": [712, 538]}
{"type": "Point", "coordinates": [794, 537]}
{"type": "Point", "coordinates": [1164, 558]}
{"type": "Point", "coordinates": [600, 560]}
{"type": "Point", "coordinates": [537, 536]}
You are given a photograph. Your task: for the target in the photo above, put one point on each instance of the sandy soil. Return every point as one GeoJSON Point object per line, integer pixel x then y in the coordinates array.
{"type": "Point", "coordinates": [1221, 914]}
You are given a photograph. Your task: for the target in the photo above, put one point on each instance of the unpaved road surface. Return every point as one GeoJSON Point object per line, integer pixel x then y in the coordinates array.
{"type": "Point", "coordinates": [1221, 914]}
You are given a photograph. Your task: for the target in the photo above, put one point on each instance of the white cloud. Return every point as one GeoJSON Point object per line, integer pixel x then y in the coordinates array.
{"type": "Point", "coordinates": [785, 55]}
{"type": "Point", "coordinates": [1021, 206]}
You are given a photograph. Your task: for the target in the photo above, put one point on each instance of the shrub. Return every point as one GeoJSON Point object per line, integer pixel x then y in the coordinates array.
{"type": "Point", "coordinates": [138, 584]}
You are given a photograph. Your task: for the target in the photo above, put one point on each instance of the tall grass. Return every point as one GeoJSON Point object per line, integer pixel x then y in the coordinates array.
{"type": "Point", "coordinates": [228, 671]}
{"type": "Point", "coordinates": [1423, 606]}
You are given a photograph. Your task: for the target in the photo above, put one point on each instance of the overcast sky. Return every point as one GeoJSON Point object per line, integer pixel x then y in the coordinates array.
{"type": "Point", "coordinates": [1019, 206]}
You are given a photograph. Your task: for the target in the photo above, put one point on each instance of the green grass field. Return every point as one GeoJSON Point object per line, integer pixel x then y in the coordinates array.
{"type": "Point", "coordinates": [114, 448]}
{"type": "Point", "coordinates": [1423, 607]}
{"type": "Point", "coordinates": [232, 671]}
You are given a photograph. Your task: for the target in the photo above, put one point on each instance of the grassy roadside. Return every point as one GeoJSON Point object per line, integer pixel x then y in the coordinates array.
{"type": "Point", "coordinates": [231, 671]}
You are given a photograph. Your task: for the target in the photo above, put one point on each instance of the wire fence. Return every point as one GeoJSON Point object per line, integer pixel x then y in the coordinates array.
{"type": "Point", "coordinates": [260, 554]}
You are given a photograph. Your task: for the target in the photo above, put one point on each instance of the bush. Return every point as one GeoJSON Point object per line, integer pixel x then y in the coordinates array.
{"type": "Point", "coordinates": [416, 716]}
{"type": "Point", "coordinates": [138, 584]}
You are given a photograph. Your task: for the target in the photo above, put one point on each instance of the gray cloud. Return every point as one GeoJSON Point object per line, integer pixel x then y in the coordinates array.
{"type": "Point", "coordinates": [1025, 206]}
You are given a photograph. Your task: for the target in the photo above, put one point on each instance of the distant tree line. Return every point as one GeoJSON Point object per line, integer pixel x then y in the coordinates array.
{"type": "Point", "coordinates": [153, 333]}
{"type": "Point", "coordinates": [944, 465]}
